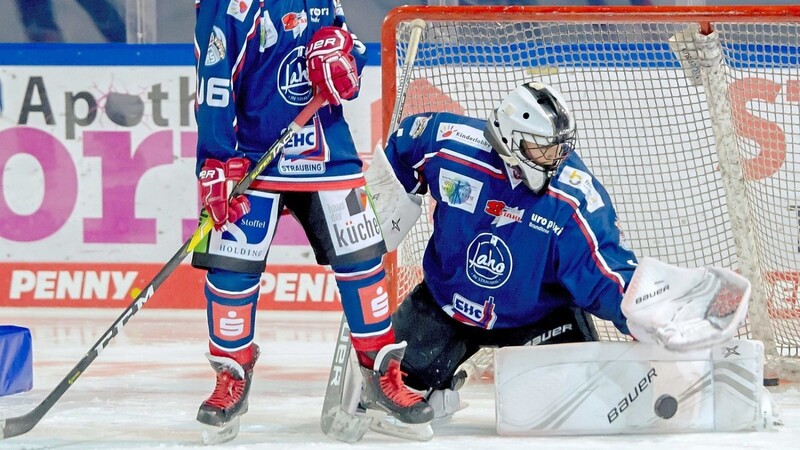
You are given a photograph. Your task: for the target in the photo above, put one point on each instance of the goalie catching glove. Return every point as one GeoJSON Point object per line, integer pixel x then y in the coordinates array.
{"type": "Point", "coordinates": [685, 309]}
{"type": "Point", "coordinates": [217, 180]}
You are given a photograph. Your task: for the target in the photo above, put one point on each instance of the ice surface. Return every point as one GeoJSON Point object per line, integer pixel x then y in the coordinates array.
{"type": "Point", "coordinates": [143, 391]}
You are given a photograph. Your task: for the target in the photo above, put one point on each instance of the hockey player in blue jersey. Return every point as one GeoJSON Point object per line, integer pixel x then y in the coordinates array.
{"type": "Point", "coordinates": [258, 64]}
{"type": "Point", "coordinates": [525, 243]}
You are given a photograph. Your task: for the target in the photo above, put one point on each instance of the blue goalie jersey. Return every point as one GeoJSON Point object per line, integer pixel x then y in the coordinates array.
{"type": "Point", "coordinates": [500, 255]}
{"type": "Point", "coordinates": [252, 81]}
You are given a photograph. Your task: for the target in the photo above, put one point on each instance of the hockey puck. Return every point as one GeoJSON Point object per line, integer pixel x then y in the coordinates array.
{"type": "Point", "coordinates": [666, 406]}
{"type": "Point", "coordinates": [771, 382]}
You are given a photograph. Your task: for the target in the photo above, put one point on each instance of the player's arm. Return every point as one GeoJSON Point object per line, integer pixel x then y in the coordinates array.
{"type": "Point", "coordinates": [221, 38]}
{"type": "Point", "coordinates": [677, 308]}
{"type": "Point", "coordinates": [593, 262]}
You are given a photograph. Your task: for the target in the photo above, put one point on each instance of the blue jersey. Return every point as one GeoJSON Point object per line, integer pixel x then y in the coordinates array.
{"type": "Point", "coordinates": [252, 81]}
{"type": "Point", "coordinates": [500, 255]}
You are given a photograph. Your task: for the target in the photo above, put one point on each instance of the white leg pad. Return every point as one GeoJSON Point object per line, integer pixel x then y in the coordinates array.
{"type": "Point", "coordinates": [604, 388]}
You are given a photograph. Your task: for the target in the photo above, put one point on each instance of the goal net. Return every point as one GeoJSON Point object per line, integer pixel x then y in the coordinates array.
{"type": "Point", "coordinates": [690, 117]}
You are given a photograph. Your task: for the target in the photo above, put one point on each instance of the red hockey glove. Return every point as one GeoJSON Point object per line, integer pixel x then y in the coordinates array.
{"type": "Point", "coordinates": [331, 67]}
{"type": "Point", "coordinates": [217, 180]}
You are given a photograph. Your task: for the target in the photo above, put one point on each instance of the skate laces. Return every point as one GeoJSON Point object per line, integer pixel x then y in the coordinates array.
{"type": "Point", "coordinates": [393, 387]}
{"type": "Point", "coordinates": [228, 390]}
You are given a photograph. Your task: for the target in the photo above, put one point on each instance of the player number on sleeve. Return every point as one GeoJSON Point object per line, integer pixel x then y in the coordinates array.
{"type": "Point", "coordinates": [215, 92]}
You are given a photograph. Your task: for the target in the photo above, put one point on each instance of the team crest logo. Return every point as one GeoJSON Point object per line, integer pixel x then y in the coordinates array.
{"type": "Point", "coordinates": [293, 83]}
{"type": "Point", "coordinates": [216, 47]}
{"type": "Point", "coordinates": [489, 261]}
{"type": "Point", "coordinates": [418, 127]}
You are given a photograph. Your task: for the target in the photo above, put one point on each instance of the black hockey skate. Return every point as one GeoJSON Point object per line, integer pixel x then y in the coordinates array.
{"type": "Point", "coordinates": [229, 399]}
{"type": "Point", "coordinates": [397, 410]}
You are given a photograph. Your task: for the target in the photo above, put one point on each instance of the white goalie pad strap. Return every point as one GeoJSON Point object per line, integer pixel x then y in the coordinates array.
{"type": "Point", "coordinates": [396, 209]}
{"type": "Point", "coordinates": [684, 309]}
{"type": "Point", "coordinates": [606, 388]}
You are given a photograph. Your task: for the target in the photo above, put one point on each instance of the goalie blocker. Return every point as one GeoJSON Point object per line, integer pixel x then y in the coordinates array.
{"type": "Point", "coordinates": [631, 387]}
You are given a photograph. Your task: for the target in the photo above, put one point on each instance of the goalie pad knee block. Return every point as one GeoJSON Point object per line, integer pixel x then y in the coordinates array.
{"type": "Point", "coordinates": [605, 388]}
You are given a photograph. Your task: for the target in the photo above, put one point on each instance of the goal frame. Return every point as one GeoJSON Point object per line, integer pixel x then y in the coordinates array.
{"type": "Point", "coordinates": [703, 16]}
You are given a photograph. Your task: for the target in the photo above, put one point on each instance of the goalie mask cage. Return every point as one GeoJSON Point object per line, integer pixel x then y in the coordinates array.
{"type": "Point", "coordinates": [690, 116]}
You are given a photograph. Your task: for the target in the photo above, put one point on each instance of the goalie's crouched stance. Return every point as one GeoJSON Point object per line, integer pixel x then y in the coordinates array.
{"type": "Point", "coordinates": [344, 233]}
{"type": "Point", "coordinates": [687, 373]}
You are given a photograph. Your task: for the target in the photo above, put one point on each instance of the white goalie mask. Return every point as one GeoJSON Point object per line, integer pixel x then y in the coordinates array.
{"type": "Point", "coordinates": [532, 130]}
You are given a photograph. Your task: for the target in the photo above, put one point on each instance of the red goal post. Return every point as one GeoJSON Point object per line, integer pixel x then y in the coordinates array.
{"type": "Point", "coordinates": [690, 116]}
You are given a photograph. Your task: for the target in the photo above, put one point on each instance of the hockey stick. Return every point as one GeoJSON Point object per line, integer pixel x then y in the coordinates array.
{"type": "Point", "coordinates": [338, 419]}
{"type": "Point", "coordinates": [14, 426]}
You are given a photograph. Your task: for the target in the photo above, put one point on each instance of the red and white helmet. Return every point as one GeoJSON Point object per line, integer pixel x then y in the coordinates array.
{"type": "Point", "coordinates": [537, 114]}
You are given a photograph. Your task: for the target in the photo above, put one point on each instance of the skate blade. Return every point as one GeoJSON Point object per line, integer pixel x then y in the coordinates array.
{"type": "Point", "coordinates": [343, 426]}
{"type": "Point", "coordinates": [219, 435]}
{"type": "Point", "coordinates": [442, 420]}
{"type": "Point", "coordinates": [391, 426]}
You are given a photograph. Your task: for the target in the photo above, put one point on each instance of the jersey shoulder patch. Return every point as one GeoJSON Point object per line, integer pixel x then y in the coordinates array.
{"type": "Point", "coordinates": [582, 181]}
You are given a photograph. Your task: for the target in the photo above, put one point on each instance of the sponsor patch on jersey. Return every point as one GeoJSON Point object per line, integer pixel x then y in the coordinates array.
{"type": "Point", "coordinates": [306, 152]}
{"type": "Point", "coordinates": [308, 143]}
{"type": "Point", "coordinates": [472, 313]}
{"type": "Point", "coordinates": [268, 35]}
{"type": "Point", "coordinates": [464, 134]}
{"type": "Point", "coordinates": [374, 302]}
{"type": "Point", "coordinates": [337, 5]}
{"type": "Point", "coordinates": [238, 9]}
{"type": "Point", "coordinates": [293, 83]}
{"type": "Point", "coordinates": [623, 241]}
{"type": "Point", "coordinates": [503, 214]}
{"type": "Point", "coordinates": [583, 182]}
{"type": "Point", "coordinates": [418, 126]}
{"type": "Point", "coordinates": [514, 175]}
{"type": "Point", "coordinates": [316, 14]}
{"type": "Point", "coordinates": [489, 261]}
{"type": "Point", "coordinates": [352, 224]}
{"type": "Point", "coordinates": [217, 47]}
{"type": "Point", "coordinates": [459, 191]}
{"type": "Point", "coordinates": [296, 22]}
{"type": "Point", "coordinates": [544, 224]}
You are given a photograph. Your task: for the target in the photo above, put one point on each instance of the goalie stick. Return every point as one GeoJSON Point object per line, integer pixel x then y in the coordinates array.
{"type": "Point", "coordinates": [339, 418]}
{"type": "Point", "coordinates": [15, 426]}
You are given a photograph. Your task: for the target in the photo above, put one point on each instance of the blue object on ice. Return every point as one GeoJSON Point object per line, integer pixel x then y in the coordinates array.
{"type": "Point", "coordinates": [16, 360]}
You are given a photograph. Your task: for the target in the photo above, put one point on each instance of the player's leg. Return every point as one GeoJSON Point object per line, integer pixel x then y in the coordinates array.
{"type": "Point", "coordinates": [345, 234]}
{"type": "Point", "coordinates": [437, 344]}
{"type": "Point", "coordinates": [437, 347]}
{"type": "Point", "coordinates": [234, 261]}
